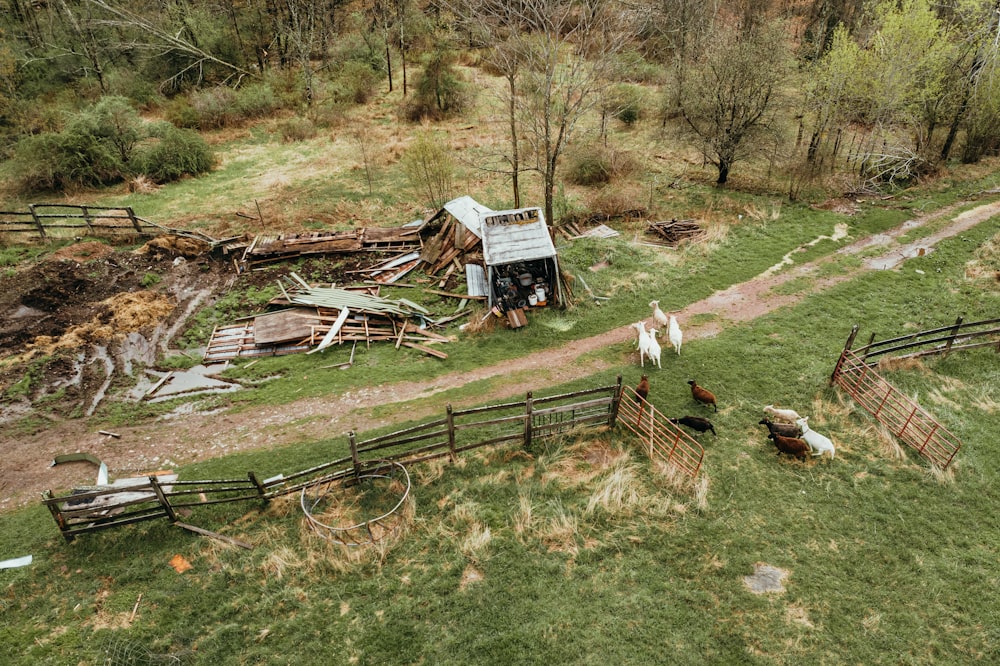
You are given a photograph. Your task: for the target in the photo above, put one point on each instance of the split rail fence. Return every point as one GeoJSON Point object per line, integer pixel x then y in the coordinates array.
{"type": "Point", "coordinates": [522, 422]}
{"type": "Point", "coordinates": [62, 221]}
{"type": "Point", "coordinates": [855, 372]}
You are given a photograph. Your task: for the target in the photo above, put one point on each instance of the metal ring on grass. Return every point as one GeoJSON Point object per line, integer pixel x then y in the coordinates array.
{"type": "Point", "coordinates": [371, 530]}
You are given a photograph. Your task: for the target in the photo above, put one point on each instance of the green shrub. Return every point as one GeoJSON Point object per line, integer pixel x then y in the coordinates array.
{"type": "Point", "coordinates": [254, 101]}
{"type": "Point", "coordinates": [60, 161]}
{"type": "Point", "coordinates": [180, 113]}
{"type": "Point", "coordinates": [430, 170]}
{"type": "Point", "coordinates": [597, 165]}
{"type": "Point", "coordinates": [178, 153]}
{"type": "Point", "coordinates": [439, 92]}
{"type": "Point", "coordinates": [633, 66]}
{"type": "Point", "coordinates": [297, 129]}
{"type": "Point", "coordinates": [355, 83]}
{"type": "Point", "coordinates": [589, 167]}
{"type": "Point", "coordinates": [150, 279]}
{"type": "Point", "coordinates": [215, 107]}
{"type": "Point", "coordinates": [627, 103]}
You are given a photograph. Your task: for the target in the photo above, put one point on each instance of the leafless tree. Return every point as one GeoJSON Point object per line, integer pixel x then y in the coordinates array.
{"type": "Point", "coordinates": [160, 37]}
{"type": "Point", "coordinates": [730, 103]}
{"type": "Point", "coordinates": [557, 57]}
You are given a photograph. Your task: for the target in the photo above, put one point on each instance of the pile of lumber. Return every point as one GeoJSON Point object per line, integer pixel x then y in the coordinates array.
{"type": "Point", "coordinates": [265, 248]}
{"type": "Point", "coordinates": [444, 249]}
{"type": "Point", "coordinates": [674, 232]}
{"type": "Point", "coordinates": [314, 318]}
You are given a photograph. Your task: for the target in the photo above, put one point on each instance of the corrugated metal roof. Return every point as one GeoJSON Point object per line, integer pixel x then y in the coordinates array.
{"type": "Point", "coordinates": [331, 297]}
{"type": "Point", "coordinates": [468, 211]}
{"type": "Point", "coordinates": [515, 235]}
{"type": "Point", "coordinates": [475, 280]}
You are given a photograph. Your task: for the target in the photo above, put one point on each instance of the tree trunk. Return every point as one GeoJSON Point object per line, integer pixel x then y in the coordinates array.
{"type": "Point", "coordinates": [723, 173]}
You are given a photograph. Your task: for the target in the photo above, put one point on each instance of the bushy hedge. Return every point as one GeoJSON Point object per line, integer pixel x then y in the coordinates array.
{"type": "Point", "coordinates": [103, 145]}
{"type": "Point", "coordinates": [177, 153]}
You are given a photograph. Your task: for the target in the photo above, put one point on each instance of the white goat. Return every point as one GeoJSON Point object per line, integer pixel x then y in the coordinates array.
{"type": "Point", "coordinates": [785, 415]}
{"type": "Point", "coordinates": [676, 336]}
{"type": "Point", "coordinates": [658, 316]}
{"type": "Point", "coordinates": [643, 341]}
{"type": "Point", "coordinates": [654, 348]}
{"type": "Point", "coordinates": [819, 444]}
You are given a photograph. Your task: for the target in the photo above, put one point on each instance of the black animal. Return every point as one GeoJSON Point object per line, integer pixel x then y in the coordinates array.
{"type": "Point", "coordinates": [783, 429]}
{"type": "Point", "coordinates": [793, 446]}
{"type": "Point", "coordinates": [702, 395]}
{"type": "Point", "coordinates": [695, 423]}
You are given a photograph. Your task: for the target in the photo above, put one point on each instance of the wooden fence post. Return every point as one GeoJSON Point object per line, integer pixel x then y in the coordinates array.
{"type": "Point", "coordinates": [954, 332]}
{"type": "Point", "coordinates": [86, 218]}
{"type": "Point", "coordinates": [847, 348]}
{"type": "Point", "coordinates": [615, 402]}
{"type": "Point", "coordinates": [450, 415]}
{"type": "Point", "coordinates": [163, 498]}
{"type": "Point", "coordinates": [867, 347]}
{"type": "Point", "coordinates": [261, 491]}
{"type": "Point", "coordinates": [353, 438]}
{"type": "Point", "coordinates": [38, 221]}
{"type": "Point", "coordinates": [57, 516]}
{"type": "Point", "coordinates": [131, 216]}
{"type": "Point", "coordinates": [527, 421]}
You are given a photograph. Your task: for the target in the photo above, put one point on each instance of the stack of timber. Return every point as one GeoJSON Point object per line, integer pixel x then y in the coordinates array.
{"type": "Point", "coordinates": [674, 232]}
{"type": "Point", "coordinates": [319, 317]}
{"type": "Point", "coordinates": [266, 248]}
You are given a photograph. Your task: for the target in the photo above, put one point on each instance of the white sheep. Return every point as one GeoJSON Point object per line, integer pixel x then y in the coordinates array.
{"type": "Point", "coordinates": [676, 336]}
{"type": "Point", "coordinates": [658, 316]}
{"type": "Point", "coordinates": [817, 442]}
{"type": "Point", "coordinates": [785, 415]}
{"type": "Point", "coordinates": [654, 348]}
{"type": "Point", "coordinates": [642, 341]}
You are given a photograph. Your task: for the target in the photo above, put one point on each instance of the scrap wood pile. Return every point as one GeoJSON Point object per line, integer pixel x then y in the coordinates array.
{"type": "Point", "coordinates": [267, 248]}
{"type": "Point", "coordinates": [447, 250]}
{"type": "Point", "coordinates": [579, 226]}
{"type": "Point", "coordinates": [674, 232]}
{"type": "Point", "coordinates": [315, 318]}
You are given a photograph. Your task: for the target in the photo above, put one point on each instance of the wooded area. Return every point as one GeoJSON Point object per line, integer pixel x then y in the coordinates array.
{"type": "Point", "coordinates": [884, 92]}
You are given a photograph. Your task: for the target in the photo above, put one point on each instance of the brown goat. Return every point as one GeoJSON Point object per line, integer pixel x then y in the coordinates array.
{"type": "Point", "coordinates": [783, 429]}
{"type": "Point", "coordinates": [702, 395]}
{"type": "Point", "coordinates": [642, 390]}
{"type": "Point", "coordinates": [793, 446]}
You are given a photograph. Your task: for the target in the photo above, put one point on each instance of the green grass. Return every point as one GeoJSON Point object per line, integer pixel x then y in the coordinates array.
{"type": "Point", "coordinates": [888, 563]}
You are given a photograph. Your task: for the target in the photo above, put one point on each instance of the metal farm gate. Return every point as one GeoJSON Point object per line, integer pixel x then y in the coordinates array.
{"type": "Point", "coordinates": [663, 439]}
{"type": "Point", "coordinates": [905, 418]}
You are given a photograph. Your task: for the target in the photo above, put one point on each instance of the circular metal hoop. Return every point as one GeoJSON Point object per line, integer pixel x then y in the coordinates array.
{"type": "Point", "coordinates": [368, 531]}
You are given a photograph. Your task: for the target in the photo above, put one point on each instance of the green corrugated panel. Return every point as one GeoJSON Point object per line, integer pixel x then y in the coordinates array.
{"type": "Point", "coordinates": [331, 297]}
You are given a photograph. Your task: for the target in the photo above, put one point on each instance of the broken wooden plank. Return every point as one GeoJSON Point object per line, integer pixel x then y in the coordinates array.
{"type": "Point", "coordinates": [426, 350]}
{"type": "Point", "coordinates": [332, 333]}
{"type": "Point", "coordinates": [214, 535]}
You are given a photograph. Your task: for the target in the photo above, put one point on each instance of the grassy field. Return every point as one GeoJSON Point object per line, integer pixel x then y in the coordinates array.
{"type": "Point", "coordinates": [583, 552]}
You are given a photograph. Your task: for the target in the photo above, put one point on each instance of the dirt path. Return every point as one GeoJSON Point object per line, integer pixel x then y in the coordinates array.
{"type": "Point", "coordinates": [165, 444]}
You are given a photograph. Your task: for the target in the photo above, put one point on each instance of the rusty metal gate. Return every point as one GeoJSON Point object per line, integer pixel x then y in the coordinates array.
{"type": "Point", "coordinates": [905, 418]}
{"type": "Point", "coordinates": [662, 439]}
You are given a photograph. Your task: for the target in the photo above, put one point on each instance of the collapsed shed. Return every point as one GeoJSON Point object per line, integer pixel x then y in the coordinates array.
{"type": "Point", "coordinates": [315, 318]}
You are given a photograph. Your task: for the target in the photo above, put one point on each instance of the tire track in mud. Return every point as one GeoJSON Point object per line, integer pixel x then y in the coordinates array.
{"type": "Point", "coordinates": [196, 436]}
